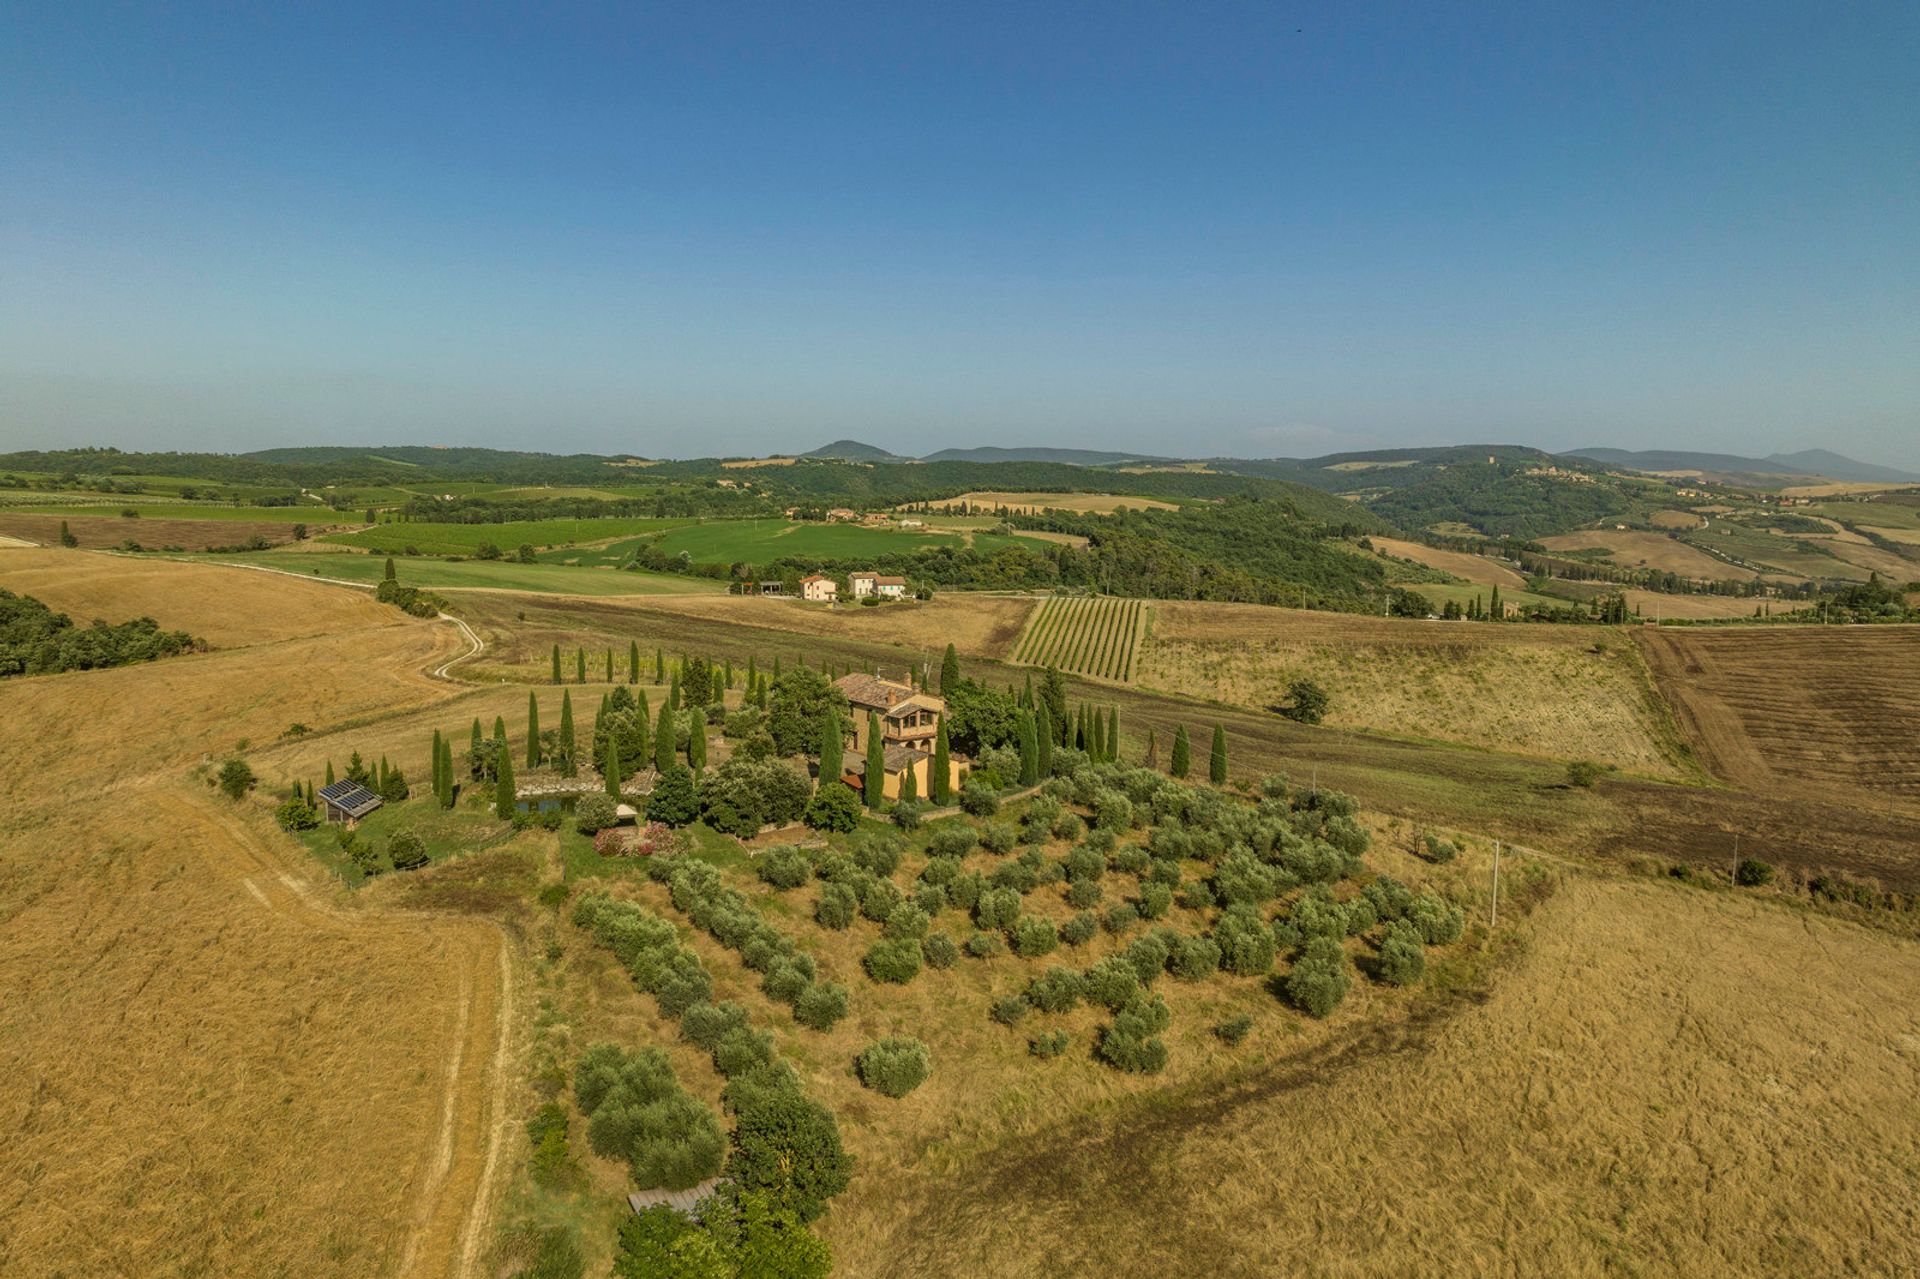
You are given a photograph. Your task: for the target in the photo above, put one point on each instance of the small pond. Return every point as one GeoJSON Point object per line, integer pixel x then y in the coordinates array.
{"type": "Point", "coordinates": [547, 803]}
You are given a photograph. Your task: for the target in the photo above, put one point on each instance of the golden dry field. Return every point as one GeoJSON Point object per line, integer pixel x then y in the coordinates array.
{"type": "Point", "coordinates": [1654, 604]}
{"type": "Point", "coordinates": [1657, 1081]}
{"type": "Point", "coordinates": [1842, 488]}
{"type": "Point", "coordinates": [211, 1062]}
{"type": "Point", "coordinates": [106, 531]}
{"type": "Point", "coordinates": [1536, 690]}
{"type": "Point", "coordinates": [1832, 712]}
{"type": "Point", "coordinates": [1635, 549]}
{"type": "Point", "coordinates": [1676, 519]}
{"type": "Point", "coordinates": [1473, 568]}
{"type": "Point", "coordinates": [1092, 503]}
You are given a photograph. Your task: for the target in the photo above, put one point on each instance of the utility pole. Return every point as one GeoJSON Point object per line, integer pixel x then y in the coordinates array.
{"type": "Point", "coordinates": [1496, 885]}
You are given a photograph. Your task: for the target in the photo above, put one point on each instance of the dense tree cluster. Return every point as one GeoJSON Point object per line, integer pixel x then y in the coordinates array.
{"type": "Point", "coordinates": [35, 640]}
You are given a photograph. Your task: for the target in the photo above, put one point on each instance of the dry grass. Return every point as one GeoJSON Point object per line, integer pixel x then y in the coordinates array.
{"type": "Point", "coordinates": [1676, 519]}
{"type": "Point", "coordinates": [1826, 711]}
{"type": "Point", "coordinates": [1652, 604]}
{"type": "Point", "coordinates": [1841, 488]}
{"type": "Point", "coordinates": [1094, 503]}
{"type": "Point", "coordinates": [1473, 568]}
{"type": "Point", "coordinates": [209, 1062]}
{"type": "Point", "coordinates": [1664, 1082]}
{"type": "Point", "coordinates": [210, 601]}
{"type": "Point", "coordinates": [106, 531]}
{"type": "Point", "coordinates": [1636, 549]}
{"type": "Point", "coordinates": [1539, 690]}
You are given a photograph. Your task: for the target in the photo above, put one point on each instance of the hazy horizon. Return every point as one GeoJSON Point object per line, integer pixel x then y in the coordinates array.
{"type": "Point", "coordinates": [1234, 230]}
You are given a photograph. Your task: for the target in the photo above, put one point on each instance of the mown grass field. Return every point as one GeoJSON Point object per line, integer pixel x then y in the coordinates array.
{"type": "Point", "coordinates": [758, 541]}
{"type": "Point", "coordinates": [1093, 635]}
{"type": "Point", "coordinates": [498, 575]}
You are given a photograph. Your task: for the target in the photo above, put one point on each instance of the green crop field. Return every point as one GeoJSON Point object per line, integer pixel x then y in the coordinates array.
{"type": "Point", "coordinates": [548, 579]}
{"type": "Point", "coordinates": [756, 541]}
{"type": "Point", "coordinates": [465, 539]}
{"type": "Point", "coordinates": [1088, 635]}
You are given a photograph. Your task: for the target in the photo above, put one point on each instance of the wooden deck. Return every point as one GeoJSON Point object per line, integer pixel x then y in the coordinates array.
{"type": "Point", "coordinates": [686, 1201]}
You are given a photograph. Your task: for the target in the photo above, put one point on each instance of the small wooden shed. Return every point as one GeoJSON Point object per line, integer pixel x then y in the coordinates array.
{"type": "Point", "coordinates": [347, 802]}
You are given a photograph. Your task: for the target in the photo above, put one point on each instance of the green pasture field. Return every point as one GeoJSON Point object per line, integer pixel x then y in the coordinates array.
{"type": "Point", "coordinates": [503, 575]}
{"type": "Point", "coordinates": [1782, 553]}
{"type": "Point", "coordinates": [465, 539]}
{"type": "Point", "coordinates": [756, 541]}
{"type": "Point", "coordinates": [1869, 514]}
{"type": "Point", "coordinates": [1441, 592]}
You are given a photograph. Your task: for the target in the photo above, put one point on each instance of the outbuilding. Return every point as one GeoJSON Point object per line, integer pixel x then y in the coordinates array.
{"type": "Point", "coordinates": [347, 802]}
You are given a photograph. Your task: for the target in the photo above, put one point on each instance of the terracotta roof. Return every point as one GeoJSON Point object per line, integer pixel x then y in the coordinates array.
{"type": "Point", "coordinates": [872, 692]}
{"type": "Point", "coordinates": [814, 578]}
{"type": "Point", "coordinates": [920, 702]}
{"type": "Point", "coordinates": [889, 581]}
{"type": "Point", "coordinates": [893, 759]}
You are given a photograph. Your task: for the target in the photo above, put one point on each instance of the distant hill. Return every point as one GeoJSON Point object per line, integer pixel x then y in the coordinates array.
{"type": "Point", "coordinates": [852, 451]}
{"type": "Point", "coordinates": [1810, 462]}
{"type": "Point", "coordinates": [1072, 457]}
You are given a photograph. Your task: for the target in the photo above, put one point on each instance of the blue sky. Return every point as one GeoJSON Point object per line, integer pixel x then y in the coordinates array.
{"type": "Point", "coordinates": [1250, 229]}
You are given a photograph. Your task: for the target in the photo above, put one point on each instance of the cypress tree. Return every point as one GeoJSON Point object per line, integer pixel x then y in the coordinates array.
{"type": "Point", "coordinates": [1113, 734]}
{"type": "Point", "coordinates": [1029, 750]}
{"type": "Point", "coordinates": [1494, 608]}
{"type": "Point", "coordinates": [580, 666]}
{"type": "Point", "coordinates": [503, 799]}
{"type": "Point", "coordinates": [949, 670]}
{"type": "Point", "coordinates": [476, 742]}
{"type": "Point", "coordinates": [447, 754]}
{"type": "Point", "coordinates": [663, 743]}
{"type": "Point", "coordinates": [609, 666]}
{"type": "Point", "coordinates": [566, 749]}
{"type": "Point", "coordinates": [611, 767]}
{"type": "Point", "coordinates": [776, 667]}
{"type": "Point", "coordinates": [67, 538]}
{"type": "Point", "coordinates": [673, 690]}
{"type": "Point", "coordinates": [876, 763]}
{"type": "Point", "coordinates": [1043, 737]}
{"type": "Point", "coordinates": [533, 731]}
{"type": "Point", "coordinates": [436, 764]}
{"type": "Point", "coordinates": [1181, 759]}
{"type": "Point", "coordinates": [313, 801]}
{"type": "Point", "coordinates": [832, 747]}
{"type": "Point", "coordinates": [909, 787]}
{"type": "Point", "coordinates": [1026, 694]}
{"type": "Point", "coordinates": [940, 784]}
{"type": "Point", "coordinates": [643, 726]}
{"type": "Point", "coordinates": [1099, 726]}
{"type": "Point", "coordinates": [633, 661]}
{"type": "Point", "coordinates": [729, 682]}
{"type": "Point", "coordinates": [556, 663]}
{"type": "Point", "coordinates": [753, 676]}
{"type": "Point", "coordinates": [390, 573]}
{"type": "Point", "coordinates": [696, 740]}
{"type": "Point", "coordinates": [659, 667]}
{"type": "Point", "coordinates": [1217, 761]}
{"type": "Point", "coordinates": [1082, 739]}
{"type": "Point", "coordinates": [1152, 759]}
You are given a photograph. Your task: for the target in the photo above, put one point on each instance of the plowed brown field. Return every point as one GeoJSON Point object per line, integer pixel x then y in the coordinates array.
{"type": "Point", "coordinates": [1826, 712]}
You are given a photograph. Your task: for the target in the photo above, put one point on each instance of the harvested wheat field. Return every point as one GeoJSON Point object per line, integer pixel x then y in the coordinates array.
{"type": "Point", "coordinates": [106, 531]}
{"type": "Point", "coordinates": [1090, 503]}
{"type": "Point", "coordinates": [1632, 549]}
{"type": "Point", "coordinates": [1829, 712]}
{"type": "Point", "coordinates": [1472, 568]}
{"type": "Point", "coordinates": [1559, 692]}
{"type": "Point", "coordinates": [208, 600]}
{"type": "Point", "coordinates": [1662, 1081]}
{"type": "Point", "coordinates": [211, 1062]}
{"type": "Point", "coordinates": [1653, 604]}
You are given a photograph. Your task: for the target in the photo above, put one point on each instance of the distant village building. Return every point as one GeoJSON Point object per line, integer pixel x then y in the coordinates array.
{"type": "Point", "coordinates": [345, 803]}
{"type": "Point", "coordinates": [772, 586]}
{"type": "Point", "coordinates": [821, 590]}
{"type": "Point", "coordinates": [912, 521]}
{"type": "Point", "coordinates": [875, 584]}
{"type": "Point", "coordinates": [842, 513]}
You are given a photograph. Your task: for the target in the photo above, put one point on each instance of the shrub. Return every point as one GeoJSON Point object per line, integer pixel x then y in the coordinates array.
{"type": "Point", "coordinates": [878, 854]}
{"type": "Point", "coordinates": [406, 850]}
{"type": "Point", "coordinates": [1079, 930]}
{"type": "Point", "coordinates": [1049, 1045]}
{"type": "Point", "coordinates": [978, 801]}
{"type": "Point", "coordinates": [1319, 980]}
{"type": "Point", "coordinates": [834, 807]}
{"type": "Point", "coordinates": [236, 779]}
{"type": "Point", "coordinates": [1234, 1029]}
{"type": "Point", "coordinates": [1402, 958]}
{"type": "Point", "coordinates": [1111, 983]}
{"type": "Point", "coordinates": [784, 982]}
{"type": "Point", "coordinates": [703, 1025]}
{"type": "Point", "coordinates": [1136, 1056]}
{"type": "Point", "coordinates": [1440, 850]}
{"type": "Point", "coordinates": [1245, 942]}
{"type": "Point", "coordinates": [954, 840]}
{"type": "Point", "coordinates": [1010, 1009]}
{"type": "Point", "coordinates": [1014, 875]}
{"type": "Point", "coordinates": [1194, 959]}
{"type": "Point", "coordinates": [741, 1049]}
{"type": "Point", "coordinates": [1155, 900]}
{"type": "Point", "coordinates": [593, 814]}
{"type": "Point", "coordinates": [1058, 991]}
{"type": "Point", "coordinates": [1034, 936]}
{"type": "Point", "coordinates": [784, 868]}
{"type": "Point", "coordinates": [1068, 826]}
{"type": "Point", "coordinates": [1306, 702]}
{"type": "Point", "coordinates": [1083, 893]}
{"type": "Point", "coordinates": [1085, 864]}
{"type": "Point", "coordinates": [894, 1066]}
{"type": "Point", "coordinates": [1360, 916]}
{"type": "Point", "coordinates": [998, 837]}
{"type": "Point", "coordinates": [939, 951]}
{"type": "Point", "coordinates": [964, 892]}
{"type": "Point", "coordinates": [879, 899]}
{"type": "Point", "coordinates": [1439, 923]}
{"type": "Point", "coordinates": [890, 960]}
{"type": "Point", "coordinates": [997, 909]}
{"type": "Point", "coordinates": [986, 946]}
{"type": "Point", "coordinates": [907, 814]}
{"type": "Point", "coordinates": [1583, 773]}
{"type": "Point", "coordinates": [1753, 873]}
{"type": "Point", "coordinates": [836, 906]}
{"type": "Point", "coordinates": [1112, 811]}
{"type": "Point", "coordinates": [1132, 859]}
{"type": "Point", "coordinates": [296, 814]}
{"type": "Point", "coordinates": [1198, 895]}
{"type": "Point", "coordinates": [1148, 955]}
{"type": "Point", "coordinates": [820, 1005]}
{"type": "Point", "coordinates": [907, 922]}
{"type": "Point", "coordinates": [552, 1162]}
